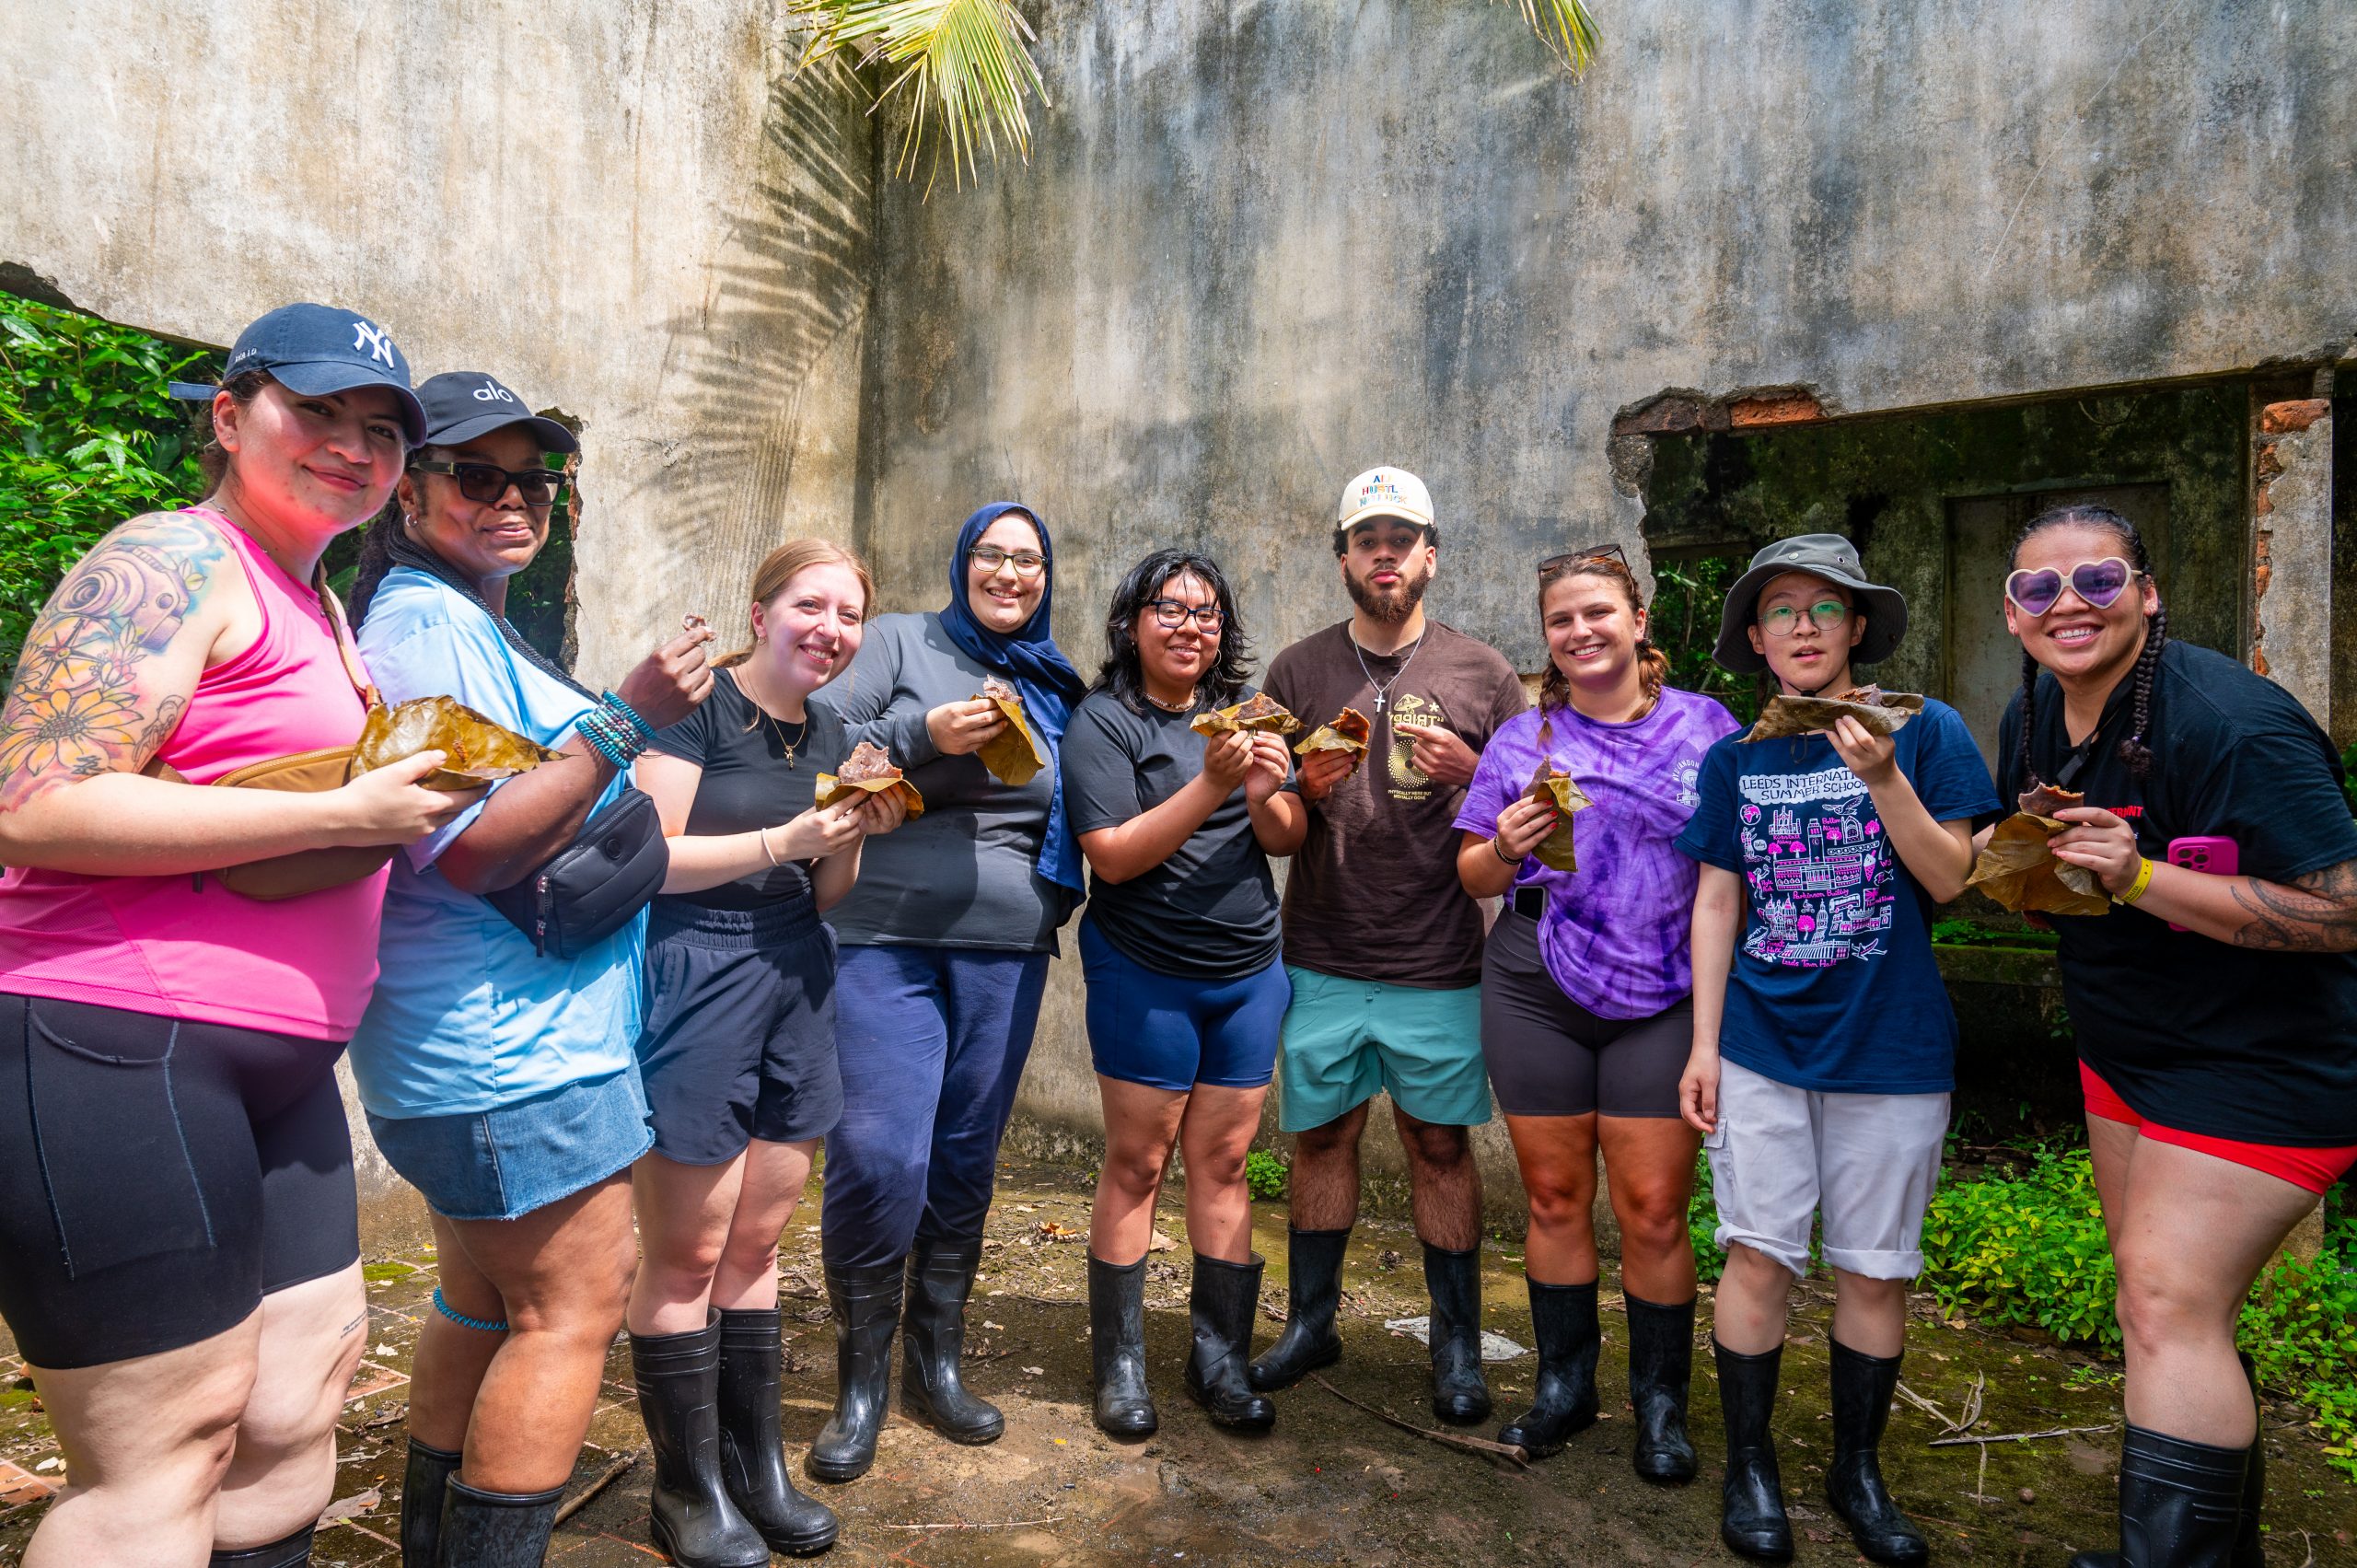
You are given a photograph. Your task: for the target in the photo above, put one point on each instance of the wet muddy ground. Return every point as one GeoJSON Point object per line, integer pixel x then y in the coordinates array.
{"type": "Point", "coordinates": [1332, 1483]}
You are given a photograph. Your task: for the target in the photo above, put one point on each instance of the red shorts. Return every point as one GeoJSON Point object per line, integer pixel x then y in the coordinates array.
{"type": "Point", "coordinates": [2316, 1169]}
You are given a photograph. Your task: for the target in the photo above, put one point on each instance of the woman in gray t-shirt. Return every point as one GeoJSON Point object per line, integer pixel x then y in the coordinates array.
{"type": "Point", "coordinates": [944, 951]}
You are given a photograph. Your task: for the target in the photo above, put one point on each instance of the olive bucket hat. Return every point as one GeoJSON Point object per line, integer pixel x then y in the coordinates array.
{"type": "Point", "coordinates": [1826, 556]}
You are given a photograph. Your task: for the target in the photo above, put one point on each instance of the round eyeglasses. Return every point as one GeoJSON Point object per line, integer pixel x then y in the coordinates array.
{"type": "Point", "coordinates": [1783, 619]}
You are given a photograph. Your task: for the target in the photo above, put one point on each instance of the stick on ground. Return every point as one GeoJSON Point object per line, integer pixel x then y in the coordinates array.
{"type": "Point", "coordinates": [1511, 1453]}
{"type": "Point", "coordinates": [598, 1483]}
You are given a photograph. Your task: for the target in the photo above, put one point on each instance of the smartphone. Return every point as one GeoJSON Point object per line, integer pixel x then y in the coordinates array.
{"type": "Point", "coordinates": [2209, 854]}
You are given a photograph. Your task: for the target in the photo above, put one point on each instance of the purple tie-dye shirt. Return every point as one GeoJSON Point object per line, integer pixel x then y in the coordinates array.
{"type": "Point", "coordinates": [1616, 933]}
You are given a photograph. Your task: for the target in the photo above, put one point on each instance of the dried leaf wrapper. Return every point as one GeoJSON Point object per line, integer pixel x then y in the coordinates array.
{"type": "Point", "coordinates": [869, 770]}
{"type": "Point", "coordinates": [1347, 731]}
{"type": "Point", "coordinates": [1555, 787]}
{"type": "Point", "coordinates": [1261, 711]}
{"type": "Point", "coordinates": [2018, 872]}
{"type": "Point", "coordinates": [1882, 713]}
{"type": "Point", "coordinates": [1014, 756]}
{"type": "Point", "coordinates": [477, 750]}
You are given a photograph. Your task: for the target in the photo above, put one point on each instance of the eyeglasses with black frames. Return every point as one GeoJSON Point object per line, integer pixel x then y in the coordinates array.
{"type": "Point", "coordinates": [1172, 613]}
{"type": "Point", "coordinates": [487, 483]}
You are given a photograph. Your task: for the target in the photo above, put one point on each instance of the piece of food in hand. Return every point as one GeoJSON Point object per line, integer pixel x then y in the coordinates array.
{"type": "Point", "coordinates": [2016, 870]}
{"type": "Point", "coordinates": [1013, 755]}
{"type": "Point", "coordinates": [2044, 799]}
{"type": "Point", "coordinates": [868, 768]}
{"type": "Point", "coordinates": [476, 751]}
{"type": "Point", "coordinates": [1881, 712]}
{"type": "Point", "coordinates": [1346, 731]}
{"type": "Point", "coordinates": [1257, 713]}
{"type": "Point", "coordinates": [1553, 786]}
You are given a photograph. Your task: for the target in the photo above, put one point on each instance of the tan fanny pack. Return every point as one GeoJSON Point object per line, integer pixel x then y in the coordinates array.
{"type": "Point", "coordinates": [302, 772]}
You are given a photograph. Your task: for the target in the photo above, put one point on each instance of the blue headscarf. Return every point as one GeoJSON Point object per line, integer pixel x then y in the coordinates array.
{"type": "Point", "coordinates": [1038, 670]}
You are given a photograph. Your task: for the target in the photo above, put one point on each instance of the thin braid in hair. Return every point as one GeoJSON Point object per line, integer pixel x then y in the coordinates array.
{"type": "Point", "coordinates": [2030, 667]}
{"type": "Point", "coordinates": [2133, 750]}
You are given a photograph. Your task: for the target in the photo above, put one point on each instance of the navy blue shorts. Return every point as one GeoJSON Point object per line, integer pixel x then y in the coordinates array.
{"type": "Point", "coordinates": [1173, 1031]}
{"type": "Point", "coordinates": [739, 1040]}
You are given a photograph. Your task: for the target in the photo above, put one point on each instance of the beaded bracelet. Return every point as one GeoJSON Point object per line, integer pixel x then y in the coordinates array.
{"type": "Point", "coordinates": [463, 1321]}
{"type": "Point", "coordinates": [610, 737]}
{"type": "Point", "coordinates": [615, 705]}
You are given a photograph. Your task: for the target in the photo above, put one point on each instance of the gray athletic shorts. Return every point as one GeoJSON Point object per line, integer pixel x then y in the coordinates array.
{"type": "Point", "coordinates": [1867, 1163]}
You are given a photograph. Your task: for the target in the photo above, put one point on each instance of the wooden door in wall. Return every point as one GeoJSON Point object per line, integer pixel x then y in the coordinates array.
{"type": "Point", "coordinates": [1983, 662]}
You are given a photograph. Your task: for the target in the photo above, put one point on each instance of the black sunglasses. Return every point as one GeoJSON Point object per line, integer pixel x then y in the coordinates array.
{"type": "Point", "coordinates": [486, 483]}
{"type": "Point", "coordinates": [1575, 557]}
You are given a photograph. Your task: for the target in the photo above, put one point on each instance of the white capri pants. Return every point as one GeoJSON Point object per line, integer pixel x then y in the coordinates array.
{"type": "Point", "coordinates": [1867, 1163]}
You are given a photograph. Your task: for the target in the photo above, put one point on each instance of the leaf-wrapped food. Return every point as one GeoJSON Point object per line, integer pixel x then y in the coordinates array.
{"type": "Point", "coordinates": [1261, 711]}
{"type": "Point", "coordinates": [2045, 800]}
{"type": "Point", "coordinates": [1554, 786]}
{"type": "Point", "coordinates": [1013, 755]}
{"type": "Point", "coordinates": [2017, 869]}
{"type": "Point", "coordinates": [1347, 731]}
{"type": "Point", "coordinates": [868, 769]}
{"type": "Point", "coordinates": [477, 750]}
{"type": "Point", "coordinates": [1882, 713]}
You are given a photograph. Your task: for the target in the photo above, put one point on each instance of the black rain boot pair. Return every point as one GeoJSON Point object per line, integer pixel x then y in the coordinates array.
{"type": "Point", "coordinates": [1563, 1321]}
{"type": "Point", "coordinates": [1117, 1348]}
{"type": "Point", "coordinates": [497, 1529]}
{"type": "Point", "coordinates": [428, 1471]}
{"type": "Point", "coordinates": [2159, 1460]}
{"type": "Point", "coordinates": [694, 1522]}
{"type": "Point", "coordinates": [1221, 1305]}
{"type": "Point", "coordinates": [1454, 1279]}
{"type": "Point", "coordinates": [1751, 1503]}
{"type": "Point", "coordinates": [933, 1328]}
{"type": "Point", "coordinates": [752, 1447]}
{"type": "Point", "coordinates": [1863, 1385]}
{"type": "Point", "coordinates": [293, 1552]}
{"type": "Point", "coordinates": [1313, 1286]}
{"type": "Point", "coordinates": [1661, 1373]}
{"type": "Point", "coordinates": [866, 1305]}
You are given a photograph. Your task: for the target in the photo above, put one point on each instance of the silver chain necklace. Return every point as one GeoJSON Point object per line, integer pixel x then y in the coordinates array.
{"type": "Point", "coordinates": [1383, 692]}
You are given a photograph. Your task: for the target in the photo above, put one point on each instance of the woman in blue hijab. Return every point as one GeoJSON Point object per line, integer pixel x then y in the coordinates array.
{"type": "Point", "coordinates": [944, 951]}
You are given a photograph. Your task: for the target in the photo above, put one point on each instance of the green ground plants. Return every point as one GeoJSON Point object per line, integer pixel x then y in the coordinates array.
{"type": "Point", "coordinates": [1265, 1175]}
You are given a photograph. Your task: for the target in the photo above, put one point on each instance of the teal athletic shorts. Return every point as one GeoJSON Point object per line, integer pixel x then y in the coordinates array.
{"type": "Point", "coordinates": [1344, 1039]}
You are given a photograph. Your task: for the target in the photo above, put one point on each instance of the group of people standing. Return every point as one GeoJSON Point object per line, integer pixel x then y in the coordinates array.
{"type": "Point", "coordinates": [614, 1127]}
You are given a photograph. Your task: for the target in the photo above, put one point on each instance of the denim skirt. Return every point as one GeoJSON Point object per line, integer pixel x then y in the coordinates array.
{"type": "Point", "coordinates": [503, 1163]}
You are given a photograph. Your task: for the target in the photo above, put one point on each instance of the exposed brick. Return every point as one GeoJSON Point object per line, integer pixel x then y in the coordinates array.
{"type": "Point", "coordinates": [1776, 408]}
{"type": "Point", "coordinates": [2258, 662]}
{"type": "Point", "coordinates": [2261, 502]}
{"type": "Point", "coordinates": [20, 1486]}
{"type": "Point", "coordinates": [2266, 465]}
{"type": "Point", "coordinates": [1663, 416]}
{"type": "Point", "coordinates": [2284, 419]}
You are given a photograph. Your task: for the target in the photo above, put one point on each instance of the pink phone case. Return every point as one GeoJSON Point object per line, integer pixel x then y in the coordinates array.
{"type": "Point", "coordinates": [2209, 854]}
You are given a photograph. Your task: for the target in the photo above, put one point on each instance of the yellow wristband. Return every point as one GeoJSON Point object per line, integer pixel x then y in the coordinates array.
{"type": "Point", "coordinates": [2136, 888]}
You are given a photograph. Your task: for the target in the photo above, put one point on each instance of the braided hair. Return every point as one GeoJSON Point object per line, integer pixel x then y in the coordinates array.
{"type": "Point", "coordinates": [2133, 751]}
{"type": "Point", "coordinates": [1652, 664]}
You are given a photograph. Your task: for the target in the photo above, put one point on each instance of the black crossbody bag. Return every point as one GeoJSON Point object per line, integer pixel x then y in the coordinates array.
{"type": "Point", "coordinates": [615, 865]}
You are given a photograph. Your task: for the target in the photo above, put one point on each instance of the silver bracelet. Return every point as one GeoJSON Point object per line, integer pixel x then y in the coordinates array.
{"type": "Point", "coordinates": [1514, 861]}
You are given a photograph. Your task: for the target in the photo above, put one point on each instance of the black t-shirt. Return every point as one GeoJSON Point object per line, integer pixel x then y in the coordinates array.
{"type": "Point", "coordinates": [1209, 911]}
{"type": "Point", "coordinates": [2197, 1034]}
{"type": "Point", "coordinates": [748, 784]}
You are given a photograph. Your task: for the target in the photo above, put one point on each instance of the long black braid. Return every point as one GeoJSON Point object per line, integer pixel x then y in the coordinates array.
{"type": "Point", "coordinates": [2133, 751]}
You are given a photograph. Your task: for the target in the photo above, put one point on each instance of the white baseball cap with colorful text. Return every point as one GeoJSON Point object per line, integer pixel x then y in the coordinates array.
{"type": "Point", "coordinates": [1385, 492]}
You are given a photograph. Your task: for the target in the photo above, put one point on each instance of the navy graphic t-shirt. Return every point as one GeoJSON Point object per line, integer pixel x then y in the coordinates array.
{"type": "Point", "coordinates": [1834, 987]}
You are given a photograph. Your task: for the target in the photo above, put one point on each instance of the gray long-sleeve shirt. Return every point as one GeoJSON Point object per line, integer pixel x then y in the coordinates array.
{"type": "Point", "coordinates": [964, 875]}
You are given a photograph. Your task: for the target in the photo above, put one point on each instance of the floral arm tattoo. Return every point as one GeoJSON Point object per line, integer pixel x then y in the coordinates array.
{"type": "Point", "coordinates": [2315, 913]}
{"type": "Point", "coordinates": [85, 700]}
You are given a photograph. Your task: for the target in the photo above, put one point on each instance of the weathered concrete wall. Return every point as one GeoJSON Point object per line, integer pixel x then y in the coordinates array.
{"type": "Point", "coordinates": [628, 209]}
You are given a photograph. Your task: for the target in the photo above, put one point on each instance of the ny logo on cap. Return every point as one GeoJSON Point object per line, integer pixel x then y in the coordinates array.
{"type": "Point", "coordinates": [492, 392]}
{"type": "Point", "coordinates": [373, 339]}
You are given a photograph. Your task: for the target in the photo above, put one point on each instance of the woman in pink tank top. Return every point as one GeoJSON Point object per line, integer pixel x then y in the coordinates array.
{"type": "Point", "coordinates": [173, 1152]}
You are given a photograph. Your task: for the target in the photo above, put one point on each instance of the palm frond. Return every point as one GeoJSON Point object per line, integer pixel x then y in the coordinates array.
{"type": "Point", "coordinates": [1565, 28]}
{"type": "Point", "coordinates": [963, 63]}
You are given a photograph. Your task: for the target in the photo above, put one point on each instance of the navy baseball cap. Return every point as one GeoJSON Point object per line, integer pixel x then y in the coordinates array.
{"type": "Point", "coordinates": [463, 404]}
{"type": "Point", "coordinates": [318, 348]}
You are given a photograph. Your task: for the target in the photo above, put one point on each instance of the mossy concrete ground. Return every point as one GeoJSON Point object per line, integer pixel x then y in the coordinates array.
{"type": "Point", "coordinates": [1330, 1483]}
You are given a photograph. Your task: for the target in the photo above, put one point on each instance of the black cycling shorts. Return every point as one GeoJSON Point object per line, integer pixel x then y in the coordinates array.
{"type": "Point", "coordinates": [1549, 1056]}
{"type": "Point", "coordinates": [158, 1177]}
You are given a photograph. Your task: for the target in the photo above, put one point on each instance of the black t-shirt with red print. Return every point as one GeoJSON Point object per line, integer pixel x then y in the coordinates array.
{"type": "Point", "coordinates": [2193, 1033]}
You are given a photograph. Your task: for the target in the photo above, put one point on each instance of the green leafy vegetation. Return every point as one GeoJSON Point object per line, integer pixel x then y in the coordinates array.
{"type": "Point", "coordinates": [1683, 622]}
{"type": "Point", "coordinates": [1960, 933]}
{"type": "Point", "coordinates": [91, 437]}
{"type": "Point", "coordinates": [1264, 1174]}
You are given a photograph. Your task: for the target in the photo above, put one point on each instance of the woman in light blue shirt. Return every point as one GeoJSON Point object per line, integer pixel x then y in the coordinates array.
{"type": "Point", "coordinates": [501, 1083]}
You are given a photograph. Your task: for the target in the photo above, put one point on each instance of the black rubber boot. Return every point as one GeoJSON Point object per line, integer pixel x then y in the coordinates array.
{"type": "Point", "coordinates": [1661, 1374]}
{"type": "Point", "coordinates": [2248, 1552]}
{"type": "Point", "coordinates": [428, 1470]}
{"type": "Point", "coordinates": [867, 1303]}
{"type": "Point", "coordinates": [497, 1529]}
{"type": "Point", "coordinates": [678, 1397]}
{"type": "Point", "coordinates": [933, 1329]}
{"type": "Point", "coordinates": [1313, 1286]}
{"type": "Point", "coordinates": [1117, 1348]}
{"type": "Point", "coordinates": [2180, 1505]}
{"type": "Point", "coordinates": [1459, 1394]}
{"type": "Point", "coordinates": [294, 1551]}
{"type": "Point", "coordinates": [752, 1448]}
{"type": "Point", "coordinates": [1854, 1484]}
{"type": "Point", "coordinates": [1562, 1320]}
{"type": "Point", "coordinates": [1752, 1504]}
{"type": "Point", "coordinates": [1222, 1304]}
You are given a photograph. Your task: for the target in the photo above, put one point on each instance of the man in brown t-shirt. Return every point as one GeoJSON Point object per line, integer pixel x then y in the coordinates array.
{"type": "Point", "coordinates": [1381, 941]}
